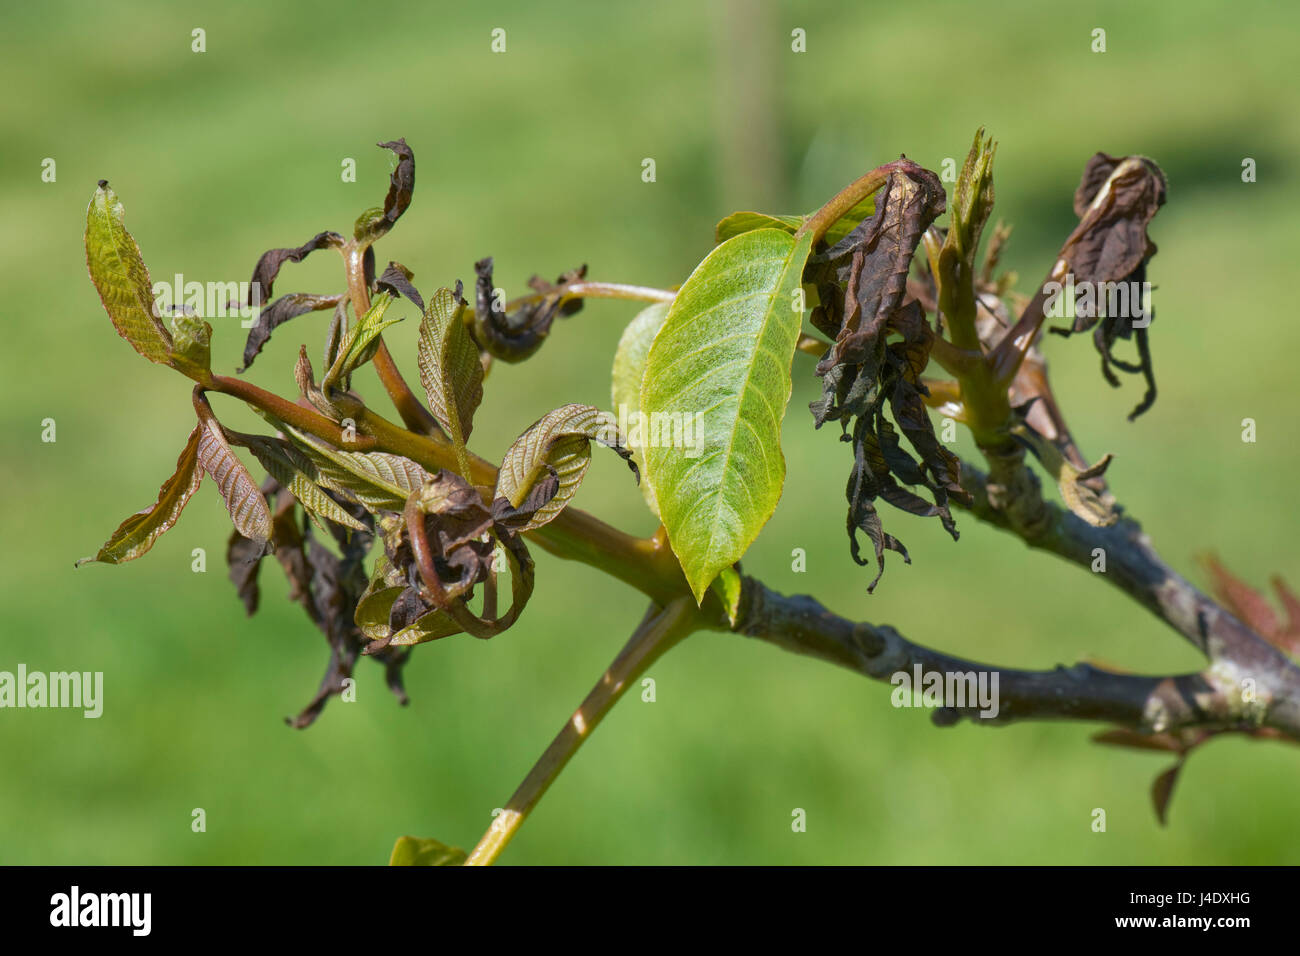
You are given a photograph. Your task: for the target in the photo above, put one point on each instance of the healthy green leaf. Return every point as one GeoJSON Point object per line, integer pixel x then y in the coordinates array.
{"type": "Point", "coordinates": [360, 342]}
{"type": "Point", "coordinates": [739, 223]}
{"type": "Point", "coordinates": [121, 278]}
{"type": "Point", "coordinates": [450, 369]}
{"type": "Point", "coordinates": [415, 851]}
{"type": "Point", "coordinates": [561, 440]}
{"type": "Point", "coordinates": [377, 479]}
{"type": "Point", "coordinates": [720, 368]}
{"type": "Point", "coordinates": [625, 390]}
{"type": "Point", "coordinates": [727, 586]}
{"type": "Point", "coordinates": [295, 471]}
{"type": "Point", "coordinates": [429, 627]}
{"type": "Point", "coordinates": [191, 351]}
{"type": "Point", "coordinates": [137, 533]}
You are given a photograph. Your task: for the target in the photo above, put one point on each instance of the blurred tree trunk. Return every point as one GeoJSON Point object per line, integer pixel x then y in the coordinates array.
{"type": "Point", "coordinates": [750, 54]}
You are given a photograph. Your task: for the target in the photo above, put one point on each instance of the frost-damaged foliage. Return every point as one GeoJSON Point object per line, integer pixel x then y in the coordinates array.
{"type": "Point", "coordinates": [513, 335]}
{"type": "Point", "coordinates": [1253, 608]}
{"type": "Point", "coordinates": [861, 285]}
{"type": "Point", "coordinates": [442, 536]}
{"type": "Point", "coordinates": [1115, 202]}
{"type": "Point", "coordinates": [392, 536]}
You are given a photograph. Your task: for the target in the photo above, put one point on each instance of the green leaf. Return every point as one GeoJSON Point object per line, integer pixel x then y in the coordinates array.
{"type": "Point", "coordinates": [727, 586]}
{"type": "Point", "coordinates": [561, 440]}
{"type": "Point", "coordinates": [121, 278]}
{"type": "Point", "coordinates": [191, 351]}
{"type": "Point", "coordinates": [378, 480]}
{"type": "Point", "coordinates": [428, 627]}
{"type": "Point", "coordinates": [248, 509]}
{"type": "Point", "coordinates": [739, 223]}
{"type": "Point", "coordinates": [450, 369]}
{"type": "Point", "coordinates": [720, 368]}
{"type": "Point", "coordinates": [137, 533]}
{"type": "Point", "coordinates": [625, 389]}
{"type": "Point", "coordinates": [416, 851]}
{"type": "Point", "coordinates": [295, 471]}
{"type": "Point", "coordinates": [360, 342]}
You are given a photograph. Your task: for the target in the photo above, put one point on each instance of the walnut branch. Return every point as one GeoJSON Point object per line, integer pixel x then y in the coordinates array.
{"type": "Point", "coordinates": [1151, 704]}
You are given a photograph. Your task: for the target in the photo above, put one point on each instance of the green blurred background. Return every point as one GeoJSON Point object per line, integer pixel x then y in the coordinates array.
{"type": "Point", "coordinates": [534, 157]}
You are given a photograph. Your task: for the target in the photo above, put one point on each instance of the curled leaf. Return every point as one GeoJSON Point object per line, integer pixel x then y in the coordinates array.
{"type": "Point", "coordinates": [277, 313]}
{"type": "Point", "coordinates": [137, 533]}
{"type": "Point", "coordinates": [862, 289]}
{"type": "Point", "coordinates": [397, 280]}
{"type": "Point", "coordinates": [559, 443]}
{"type": "Point", "coordinates": [121, 278]}
{"type": "Point", "coordinates": [513, 336]}
{"type": "Point", "coordinates": [401, 186]}
{"type": "Point", "coordinates": [268, 266]}
{"type": "Point", "coordinates": [1106, 258]}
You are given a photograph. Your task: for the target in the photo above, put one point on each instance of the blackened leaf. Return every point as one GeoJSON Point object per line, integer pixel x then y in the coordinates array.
{"type": "Point", "coordinates": [277, 313]}
{"type": "Point", "coordinates": [397, 280]}
{"type": "Point", "coordinates": [137, 533]}
{"type": "Point", "coordinates": [514, 336]}
{"type": "Point", "coordinates": [560, 441]}
{"type": "Point", "coordinates": [402, 181]}
{"type": "Point", "coordinates": [121, 278]}
{"type": "Point", "coordinates": [244, 559]}
{"type": "Point", "coordinates": [1109, 250]}
{"type": "Point", "coordinates": [268, 266]}
{"type": "Point", "coordinates": [862, 290]}
{"type": "Point", "coordinates": [450, 369]}
{"type": "Point", "coordinates": [417, 851]}
{"type": "Point", "coordinates": [374, 223]}
{"type": "Point", "coordinates": [1162, 791]}
{"type": "Point", "coordinates": [248, 509]}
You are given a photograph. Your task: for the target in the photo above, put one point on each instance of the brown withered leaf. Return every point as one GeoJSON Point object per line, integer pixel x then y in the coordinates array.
{"type": "Point", "coordinates": [277, 313]}
{"type": "Point", "coordinates": [516, 335]}
{"type": "Point", "coordinates": [401, 186]}
{"type": "Point", "coordinates": [1253, 608]}
{"type": "Point", "coordinates": [244, 556]}
{"type": "Point", "coordinates": [397, 280]}
{"type": "Point", "coordinates": [1116, 200]}
{"type": "Point", "coordinates": [863, 294]}
{"type": "Point", "coordinates": [268, 266]}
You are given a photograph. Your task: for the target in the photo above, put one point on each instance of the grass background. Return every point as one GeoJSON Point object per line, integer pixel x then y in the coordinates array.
{"type": "Point", "coordinates": [534, 157]}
